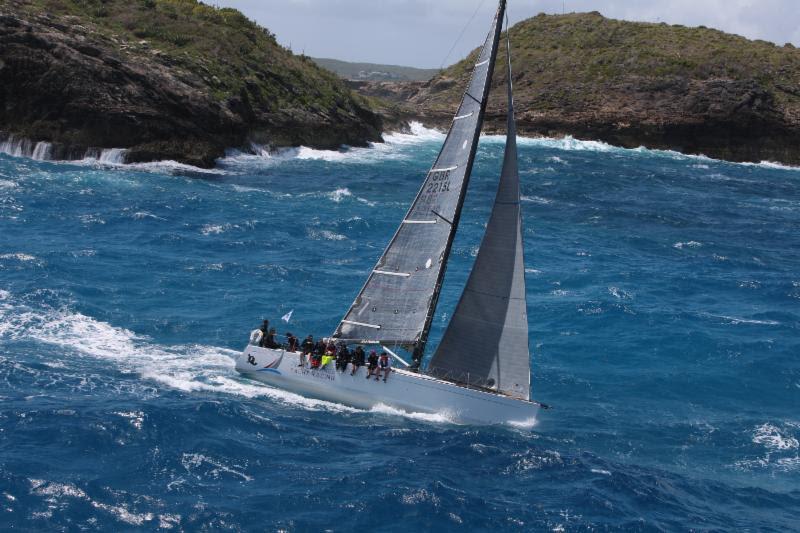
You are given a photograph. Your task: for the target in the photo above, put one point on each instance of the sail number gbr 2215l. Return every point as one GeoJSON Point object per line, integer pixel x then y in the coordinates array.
{"type": "Point", "coordinates": [439, 181]}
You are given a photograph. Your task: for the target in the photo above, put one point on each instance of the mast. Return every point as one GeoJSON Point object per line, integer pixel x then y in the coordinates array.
{"type": "Point", "coordinates": [419, 349]}
{"type": "Point", "coordinates": [486, 342]}
{"type": "Point", "coordinates": [396, 305]}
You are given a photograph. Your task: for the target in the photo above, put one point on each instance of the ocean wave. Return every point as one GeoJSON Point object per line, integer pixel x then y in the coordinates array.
{"type": "Point", "coordinates": [688, 244]}
{"type": "Point", "coordinates": [439, 418]}
{"type": "Point", "coordinates": [19, 256]}
{"type": "Point", "coordinates": [773, 438]}
{"type": "Point", "coordinates": [216, 229]}
{"type": "Point", "coordinates": [338, 196]}
{"type": "Point", "coordinates": [55, 493]}
{"type": "Point", "coordinates": [738, 320]}
{"type": "Point", "coordinates": [141, 215]}
{"type": "Point", "coordinates": [390, 148]}
{"type": "Point", "coordinates": [536, 200]}
{"type": "Point", "coordinates": [326, 235]}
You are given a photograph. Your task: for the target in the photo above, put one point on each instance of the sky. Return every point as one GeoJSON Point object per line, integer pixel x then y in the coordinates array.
{"type": "Point", "coordinates": [425, 33]}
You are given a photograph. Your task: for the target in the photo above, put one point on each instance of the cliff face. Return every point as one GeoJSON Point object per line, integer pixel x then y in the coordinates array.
{"type": "Point", "coordinates": [167, 79]}
{"type": "Point", "coordinates": [698, 91]}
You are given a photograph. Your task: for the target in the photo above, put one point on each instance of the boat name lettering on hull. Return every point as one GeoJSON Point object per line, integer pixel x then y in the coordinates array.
{"type": "Point", "coordinates": [314, 373]}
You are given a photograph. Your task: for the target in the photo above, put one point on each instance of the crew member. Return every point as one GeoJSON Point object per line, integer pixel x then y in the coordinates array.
{"type": "Point", "coordinates": [358, 359]}
{"type": "Point", "coordinates": [385, 364]}
{"type": "Point", "coordinates": [306, 349]}
{"type": "Point", "coordinates": [264, 332]}
{"type": "Point", "coordinates": [372, 363]}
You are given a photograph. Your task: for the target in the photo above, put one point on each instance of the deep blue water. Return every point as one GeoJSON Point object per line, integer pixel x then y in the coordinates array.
{"type": "Point", "coordinates": [664, 303]}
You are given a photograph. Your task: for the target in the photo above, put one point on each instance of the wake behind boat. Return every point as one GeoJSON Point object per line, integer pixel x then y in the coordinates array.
{"type": "Point", "coordinates": [480, 372]}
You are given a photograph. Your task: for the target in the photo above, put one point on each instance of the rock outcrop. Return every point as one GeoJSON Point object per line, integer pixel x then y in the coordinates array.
{"type": "Point", "coordinates": [694, 90]}
{"type": "Point", "coordinates": [165, 79]}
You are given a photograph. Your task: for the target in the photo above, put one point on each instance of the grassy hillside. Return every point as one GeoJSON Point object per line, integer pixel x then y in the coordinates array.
{"type": "Point", "coordinates": [149, 58]}
{"type": "Point", "coordinates": [230, 52]}
{"type": "Point", "coordinates": [638, 83]}
{"type": "Point", "coordinates": [375, 72]}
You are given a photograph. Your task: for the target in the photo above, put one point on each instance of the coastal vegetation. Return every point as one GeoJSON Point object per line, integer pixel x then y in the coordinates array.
{"type": "Point", "coordinates": [165, 78]}
{"type": "Point", "coordinates": [696, 90]}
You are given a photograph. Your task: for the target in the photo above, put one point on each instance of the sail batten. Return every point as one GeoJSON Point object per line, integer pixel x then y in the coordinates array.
{"type": "Point", "coordinates": [403, 305]}
{"type": "Point", "coordinates": [486, 341]}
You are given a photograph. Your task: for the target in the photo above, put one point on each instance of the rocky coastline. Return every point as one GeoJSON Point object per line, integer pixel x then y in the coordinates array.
{"type": "Point", "coordinates": [180, 80]}
{"type": "Point", "coordinates": [81, 81]}
{"type": "Point", "coordinates": [693, 90]}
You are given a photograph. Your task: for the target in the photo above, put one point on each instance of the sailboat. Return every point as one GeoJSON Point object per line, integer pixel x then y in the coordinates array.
{"type": "Point", "coordinates": [480, 372]}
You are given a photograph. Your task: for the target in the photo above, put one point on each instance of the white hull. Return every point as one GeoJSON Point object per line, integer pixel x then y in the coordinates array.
{"type": "Point", "coordinates": [408, 391]}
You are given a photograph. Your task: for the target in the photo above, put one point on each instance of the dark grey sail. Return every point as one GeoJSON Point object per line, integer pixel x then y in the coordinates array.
{"type": "Point", "coordinates": [486, 342]}
{"type": "Point", "coordinates": [396, 304]}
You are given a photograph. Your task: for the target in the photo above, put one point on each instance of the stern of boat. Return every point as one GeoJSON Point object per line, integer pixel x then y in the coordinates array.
{"type": "Point", "coordinates": [255, 359]}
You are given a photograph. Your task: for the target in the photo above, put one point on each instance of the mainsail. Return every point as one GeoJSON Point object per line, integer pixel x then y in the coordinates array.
{"type": "Point", "coordinates": [396, 304]}
{"type": "Point", "coordinates": [486, 342]}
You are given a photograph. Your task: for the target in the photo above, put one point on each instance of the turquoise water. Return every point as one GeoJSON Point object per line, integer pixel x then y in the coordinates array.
{"type": "Point", "coordinates": [664, 303]}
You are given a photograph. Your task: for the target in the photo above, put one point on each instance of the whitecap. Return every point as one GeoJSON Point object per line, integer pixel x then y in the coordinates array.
{"type": "Point", "coordinates": [688, 244]}
{"type": "Point", "coordinates": [326, 235]}
{"type": "Point", "coordinates": [772, 438]}
{"type": "Point", "coordinates": [216, 229]}
{"type": "Point", "coordinates": [619, 294]}
{"type": "Point", "coordinates": [136, 418]}
{"type": "Point", "coordinates": [193, 461]}
{"type": "Point", "coordinates": [25, 258]}
{"type": "Point", "coordinates": [600, 471]}
{"type": "Point", "coordinates": [738, 320]}
{"type": "Point", "coordinates": [536, 200]}
{"type": "Point", "coordinates": [339, 194]}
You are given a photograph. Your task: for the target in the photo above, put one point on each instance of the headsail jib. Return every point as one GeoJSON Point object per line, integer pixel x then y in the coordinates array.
{"type": "Point", "coordinates": [486, 342]}
{"type": "Point", "coordinates": [397, 302]}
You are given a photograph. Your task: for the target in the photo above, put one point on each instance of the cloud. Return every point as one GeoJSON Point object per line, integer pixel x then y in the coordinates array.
{"type": "Point", "coordinates": [420, 32]}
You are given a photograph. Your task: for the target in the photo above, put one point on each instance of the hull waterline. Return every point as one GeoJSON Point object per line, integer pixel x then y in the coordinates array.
{"type": "Point", "coordinates": [407, 391]}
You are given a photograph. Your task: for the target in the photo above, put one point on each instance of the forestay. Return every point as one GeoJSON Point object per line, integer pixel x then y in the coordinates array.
{"type": "Point", "coordinates": [396, 304]}
{"type": "Point", "coordinates": [486, 342]}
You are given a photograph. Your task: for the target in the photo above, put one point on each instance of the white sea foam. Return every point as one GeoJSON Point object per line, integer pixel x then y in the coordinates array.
{"type": "Point", "coordinates": [55, 492]}
{"type": "Point", "coordinates": [440, 418]}
{"type": "Point", "coordinates": [774, 439]}
{"type": "Point", "coordinates": [524, 424]}
{"type": "Point", "coordinates": [326, 235]}
{"type": "Point", "coordinates": [216, 468]}
{"type": "Point", "coordinates": [390, 148]}
{"type": "Point", "coordinates": [141, 215]}
{"type": "Point", "coordinates": [215, 229]}
{"type": "Point", "coordinates": [689, 244]}
{"type": "Point", "coordinates": [601, 471]}
{"type": "Point", "coordinates": [738, 320]}
{"type": "Point", "coordinates": [536, 200]}
{"type": "Point", "coordinates": [7, 184]}
{"type": "Point", "coordinates": [19, 256]}
{"type": "Point", "coordinates": [619, 294]}
{"type": "Point", "coordinates": [339, 194]}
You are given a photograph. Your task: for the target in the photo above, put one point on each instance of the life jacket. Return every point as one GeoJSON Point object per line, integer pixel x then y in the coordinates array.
{"type": "Point", "coordinates": [255, 337]}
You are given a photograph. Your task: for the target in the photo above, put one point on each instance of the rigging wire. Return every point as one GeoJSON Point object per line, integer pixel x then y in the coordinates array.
{"type": "Point", "coordinates": [460, 35]}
